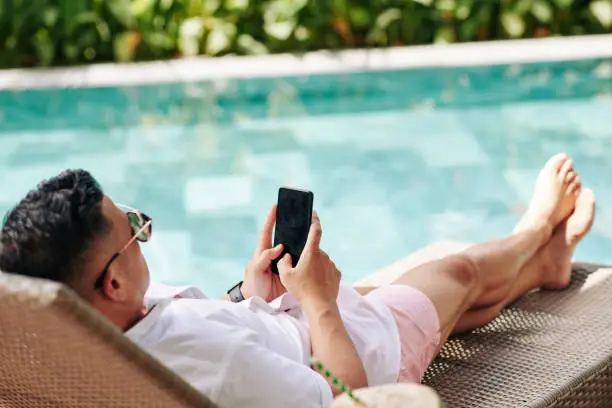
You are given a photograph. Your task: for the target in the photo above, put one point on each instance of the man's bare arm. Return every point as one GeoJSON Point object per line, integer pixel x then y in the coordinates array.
{"type": "Point", "coordinates": [332, 345]}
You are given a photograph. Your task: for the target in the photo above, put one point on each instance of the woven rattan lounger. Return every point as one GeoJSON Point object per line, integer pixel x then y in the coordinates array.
{"type": "Point", "coordinates": [55, 351]}
{"type": "Point", "coordinates": [548, 349]}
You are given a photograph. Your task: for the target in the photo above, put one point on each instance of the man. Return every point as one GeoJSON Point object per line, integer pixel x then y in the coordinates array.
{"type": "Point", "coordinates": [256, 352]}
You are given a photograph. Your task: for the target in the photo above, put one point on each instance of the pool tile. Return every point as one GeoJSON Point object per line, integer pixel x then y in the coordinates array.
{"type": "Point", "coordinates": [209, 194]}
{"type": "Point", "coordinates": [522, 182]}
{"type": "Point", "coordinates": [17, 181]}
{"type": "Point", "coordinates": [289, 168]}
{"type": "Point", "coordinates": [155, 145]}
{"type": "Point", "coordinates": [451, 149]}
{"type": "Point", "coordinates": [221, 236]}
{"type": "Point", "coordinates": [169, 255]}
{"type": "Point", "coordinates": [107, 168]}
{"type": "Point", "coordinates": [352, 233]}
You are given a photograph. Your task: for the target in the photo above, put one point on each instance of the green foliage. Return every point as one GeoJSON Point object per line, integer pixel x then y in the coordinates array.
{"type": "Point", "coordinates": [64, 32]}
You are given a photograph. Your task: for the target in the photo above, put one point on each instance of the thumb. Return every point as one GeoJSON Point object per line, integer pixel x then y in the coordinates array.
{"type": "Point", "coordinates": [314, 234]}
{"type": "Point", "coordinates": [284, 264]}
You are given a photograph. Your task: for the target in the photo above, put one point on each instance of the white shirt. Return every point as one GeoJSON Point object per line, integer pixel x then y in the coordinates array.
{"type": "Point", "coordinates": [257, 354]}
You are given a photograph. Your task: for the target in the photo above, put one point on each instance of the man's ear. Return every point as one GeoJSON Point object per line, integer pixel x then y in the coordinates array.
{"type": "Point", "coordinates": [113, 285]}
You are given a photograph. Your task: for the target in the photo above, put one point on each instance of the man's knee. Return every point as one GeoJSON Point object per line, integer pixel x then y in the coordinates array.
{"type": "Point", "coordinates": [463, 270]}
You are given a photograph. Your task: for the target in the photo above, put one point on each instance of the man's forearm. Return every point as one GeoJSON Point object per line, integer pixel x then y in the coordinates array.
{"type": "Point", "coordinates": [332, 345]}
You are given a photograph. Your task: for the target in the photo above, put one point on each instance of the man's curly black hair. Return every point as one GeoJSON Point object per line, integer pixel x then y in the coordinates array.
{"type": "Point", "coordinates": [49, 231]}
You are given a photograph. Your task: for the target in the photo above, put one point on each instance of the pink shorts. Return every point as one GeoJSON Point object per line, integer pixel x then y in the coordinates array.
{"type": "Point", "coordinates": [418, 326]}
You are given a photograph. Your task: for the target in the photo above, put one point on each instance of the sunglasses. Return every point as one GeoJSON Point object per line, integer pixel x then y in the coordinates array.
{"type": "Point", "coordinates": [142, 228]}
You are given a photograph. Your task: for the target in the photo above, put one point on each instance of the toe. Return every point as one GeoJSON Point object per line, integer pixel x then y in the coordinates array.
{"type": "Point", "coordinates": [582, 219]}
{"type": "Point", "coordinates": [586, 199]}
{"type": "Point", "coordinates": [570, 177]}
{"type": "Point", "coordinates": [556, 161]}
{"type": "Point", "coordinates": [566, 168]}
{"type": "Point", "coordinates": [574, 187]}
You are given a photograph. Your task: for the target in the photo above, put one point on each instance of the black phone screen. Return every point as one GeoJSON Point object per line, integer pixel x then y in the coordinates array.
{"type": "Point", "coordinates": [293, 219]}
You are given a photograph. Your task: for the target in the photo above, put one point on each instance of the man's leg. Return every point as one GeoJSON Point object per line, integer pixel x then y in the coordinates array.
{"type": "Point", "coordinates": [484, 274]}
{"type": "Point", "coordinates": [550, 268]}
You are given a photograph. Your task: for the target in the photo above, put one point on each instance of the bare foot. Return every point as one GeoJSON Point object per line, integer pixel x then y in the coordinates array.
{"type": "Point", "coordinates": [554, 196]}
{"type": "Point", "coordinates": [561, 247]}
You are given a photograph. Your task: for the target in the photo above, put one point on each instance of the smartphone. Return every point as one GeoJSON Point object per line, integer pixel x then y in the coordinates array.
{"type": "Point", "coordinates": [293, 219]}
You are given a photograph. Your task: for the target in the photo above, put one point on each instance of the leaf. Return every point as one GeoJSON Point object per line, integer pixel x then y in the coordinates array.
{"type": "Point", "coordinates": [463, 12]}
{"type": "Point", "coordinates": [513, 24]}
{"type": "Point", "coordinates": [360, 17]}
{"type": "Point", "coordinates": [282, 10]}
{"type": "Point", "coordinates": [602, 10]}
{"type": "Point", "coordinates": [50, 16]}
{"type": "Point", "coordinates": [216, 42]}
{"type": "Point", "coordinates": [426, 3]}
{"type": "Point", "coordinates": [445, 35]}
{"type": "Point", "coordinates": [302, 33]}
{"type": "Point", "coordinates": [237, 5]}
{"type": "Point", "coordinates": [158, 41]}
{"type": "Point", "coordinates": [165, 5]}
{"type": "Point", "coordinates": [85, 18]}
{"type": "Point", "coordinates": [122, 11]}
{"type": "Point", "coordinates": [45, 49]}
{"type": "Point", "coordinates": [251, 46]}
{"type": "Point", "coordinates": [210, 7]}
{"type": "Point", "coordinates": [89, 53]}
{"type": "Point", "coordinates": [542, 11]}
{"type": "Point", "coordinates": [70, 52]}
{"type": "Point", "coordinates": [387, 17]}
{"type": "Point", "coordinates": [124, 46]}
{"type": "Point", "coordinates": [523, 7]}
{"type": "Point", "coordinates": [103, 31]}
{"type": "Point", "coordinates": [446, 5]}
{"type": "Point", "coordinates": [468, 30]}
{"type": "Point", "coordinates": [191, 33]}
{"type": "Point", "coordinates": [141, 7]}
{"type": "Point", "coordinates": [280, 30]}
{"type": "Point", "coordinates": [220, 37]}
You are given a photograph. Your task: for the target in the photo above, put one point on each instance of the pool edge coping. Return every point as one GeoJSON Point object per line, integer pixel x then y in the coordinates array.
{"type": "Point", "coordinates": [200, 68]}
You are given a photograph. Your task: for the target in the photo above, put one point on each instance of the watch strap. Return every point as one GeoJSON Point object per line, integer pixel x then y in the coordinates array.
{"type": "Point", "coordinates": [235, 294]}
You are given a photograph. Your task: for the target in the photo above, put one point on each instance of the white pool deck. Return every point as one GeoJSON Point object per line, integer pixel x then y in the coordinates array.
{"type": "Point", "coordinates": [319, 62]}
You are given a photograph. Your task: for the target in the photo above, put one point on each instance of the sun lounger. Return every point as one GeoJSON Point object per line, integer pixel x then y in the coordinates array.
{"type": "Point", "coordinates": [548, 349]}
{"type": "Point", "coordinates": [55, 351]}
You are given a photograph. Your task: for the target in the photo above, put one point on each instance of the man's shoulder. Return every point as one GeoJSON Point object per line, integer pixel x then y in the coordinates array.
{"type": "Point", "coordinates": [158, 291]}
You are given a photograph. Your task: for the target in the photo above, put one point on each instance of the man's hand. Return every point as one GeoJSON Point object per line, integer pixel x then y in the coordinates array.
{"type": "Point", "coordinates": [259, 280]}
{"type": "Point", "coordinates": [315, 278]}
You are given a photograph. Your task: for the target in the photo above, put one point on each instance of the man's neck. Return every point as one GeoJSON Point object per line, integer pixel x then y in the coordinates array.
{"type": "Point", "coordinates": [137, 318]}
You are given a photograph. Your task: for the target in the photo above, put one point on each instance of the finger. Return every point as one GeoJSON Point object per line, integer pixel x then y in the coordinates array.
{"type": "Point", "coordinates": [314, 234]}
{"type": "Point", "coordinates": [273, 253]}
{"type": "Point", "coordinates": [266, 257]}
{"type": "Point", "coordinates": [265, 236]}
{"type": "Point", "coordinates": [284, 264]}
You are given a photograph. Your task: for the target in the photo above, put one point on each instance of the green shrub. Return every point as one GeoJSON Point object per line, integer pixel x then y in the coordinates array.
{"type": "Point", "coordinates": [61, 32]}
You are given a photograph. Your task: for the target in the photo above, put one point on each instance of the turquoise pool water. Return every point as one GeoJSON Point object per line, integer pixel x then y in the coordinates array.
{"type": "Point", "coordinates": [396, 160]}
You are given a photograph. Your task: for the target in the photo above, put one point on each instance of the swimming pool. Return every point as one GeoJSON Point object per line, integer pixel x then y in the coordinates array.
{"type": "Point", "coordinates": [395, 159]}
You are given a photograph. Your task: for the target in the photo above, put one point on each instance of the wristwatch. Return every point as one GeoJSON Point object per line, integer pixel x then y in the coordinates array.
{"type": "Point", "coordinates": [235, 294]}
